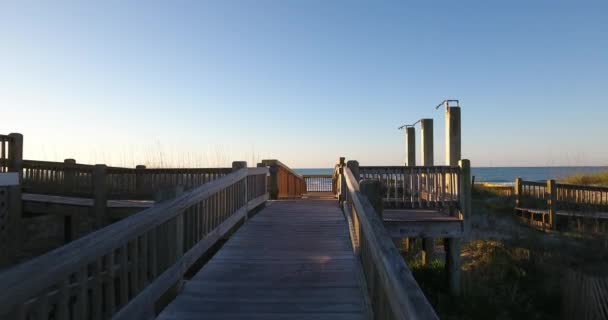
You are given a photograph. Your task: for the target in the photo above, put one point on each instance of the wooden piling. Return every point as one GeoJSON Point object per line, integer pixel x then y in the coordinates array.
{"type": "Point", "coordinates": [452, 136]}
{"type": "Point", "coordinates": [410, 146]}
{"type": "Point", "coordinates": [426, 136]}
{"type": "Point", "coordinates": [452, 264]}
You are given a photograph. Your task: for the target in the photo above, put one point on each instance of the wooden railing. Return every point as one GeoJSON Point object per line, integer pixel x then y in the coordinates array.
{"type": "Point", "coordinates": [416, 187]}
{"type": "Point", "coordinates": [71, 179]}
{"type": "Point", "coordinates": [583, 198]}
{"type": "Point", "coordinates": [319, 183]}
{"type": "Point", "coordinates": [546, 199]}
{"type": "Point", "coordinates": [284, 183]}
{"type": "Point", "coordinates": [120, 271]}
{"type": "Point", "coordinates": [142, 183]}
{"type": "Point", "coordinates": [531, 194]}
{"type": "Point", "coordinates": [393, 291]}
{"type": "Point", "coordinates": [58, 178]}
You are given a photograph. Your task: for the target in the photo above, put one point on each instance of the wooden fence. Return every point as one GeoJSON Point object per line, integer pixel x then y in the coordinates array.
{"type": "Point", "coordinates": [122, 270]}
{"type": "Point", "coordinates": [416, 187]}
{"type": "Point", "coordinates": [319, 183]}
{"type": "Point", "coordinates": [71, 179]}
{"type": "Point", "coordinates": [284, 183]}
{"type": "Point", "coordinates": [540, 203]}
{"type": "Point", "coordinates": [393, 291]}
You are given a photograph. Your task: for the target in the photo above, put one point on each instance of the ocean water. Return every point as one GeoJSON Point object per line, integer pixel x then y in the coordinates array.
{"type": "Point", "coordinates": [503, 175]}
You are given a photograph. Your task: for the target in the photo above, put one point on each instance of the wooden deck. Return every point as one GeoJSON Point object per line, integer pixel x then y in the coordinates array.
{"type": "Point", "coordinates": [293, 260]}
{"type": "Point", "coordinates": [401, 223]}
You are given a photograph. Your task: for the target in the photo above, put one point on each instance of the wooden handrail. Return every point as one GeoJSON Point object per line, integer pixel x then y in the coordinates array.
{"type": "Point", "coordinates": [284, 183]}
{"type": "Point", "coordinates": [72, 179]}
{"type": "Point", "coordinates": [275, 162]}
{"type": "Point", "coordinates": [417, 187]}
{"type": "Point", "coordinates": [394, 292]}
{"type": "Point", "coordinates": [145, 254]}
{"type": "Point", "coordinates": [552, 196]}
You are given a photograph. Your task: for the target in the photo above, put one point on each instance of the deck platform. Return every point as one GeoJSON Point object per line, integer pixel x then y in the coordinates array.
{"type": "Point", "coordinates": [401, 223]}
{"type": "Point", "coordinates": [293, 260]}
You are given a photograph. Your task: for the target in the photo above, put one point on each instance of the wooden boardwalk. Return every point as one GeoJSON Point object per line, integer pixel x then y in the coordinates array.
{"type": "Point", "coordinates": [293, 260]}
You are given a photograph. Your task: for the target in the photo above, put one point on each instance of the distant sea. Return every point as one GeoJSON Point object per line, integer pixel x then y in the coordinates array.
{"type": "Point", "coordinates": [504, 175]}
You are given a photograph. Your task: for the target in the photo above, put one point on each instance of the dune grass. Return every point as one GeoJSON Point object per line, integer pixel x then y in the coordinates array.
{"type": "Point", "coordinates": [596, 179]}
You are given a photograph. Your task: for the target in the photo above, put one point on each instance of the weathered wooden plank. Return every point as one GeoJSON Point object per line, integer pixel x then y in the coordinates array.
{"type": "Point", "coordinates": [292, 260]}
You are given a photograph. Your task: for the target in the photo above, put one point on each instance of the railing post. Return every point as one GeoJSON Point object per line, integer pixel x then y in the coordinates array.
{"type": "Point", "coordinates": [273, 170]}
{"type": "Point", "coordinates": [552, 203]}
{"type": "Point", "coordinates": [69, 176]}
{"type": "Point", "coordinates": [16, 154]}
{"type": "Point", "coordinates": [11, 204]}
{"type": "Point", "coordinates": [517, 190]}
{"type": "Point", "coordinates": [342, 182]}
{"type": "Point", "coordinates": [139, 179]}
{"type": "Point", "coordinates": [428, 160]}
{"type": "Point", "coordinates": [353, 165]}
{"type": "Point", "coordinates": [100, 197]}
{"type": "Point", "coordinates": [465, 193]}
{"type": "Point", "coordinates": [10, 224]}
{"type": "Point", "coordinates": [372, 189]}
{"type": "Point", "coordinates": [236, 166]}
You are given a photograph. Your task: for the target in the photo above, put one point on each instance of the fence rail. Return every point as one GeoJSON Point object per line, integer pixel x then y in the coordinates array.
{"type": "Point", "coordinates": [393, 291]}
{"type": "Point", "coordinates": [142, 183]}
{"type": "Point", "coordinates": [544, 201]}
{"type": "Point", "coordinates": [319, 183]}
{"type": "Point", "coordinates": [588, 198]}
{"type": "Point", "coordinates": [71, 179]}
{"type": "Point", "coordinates": [121, 270]}
{"type": "Point", "coordinates": [416, 187]}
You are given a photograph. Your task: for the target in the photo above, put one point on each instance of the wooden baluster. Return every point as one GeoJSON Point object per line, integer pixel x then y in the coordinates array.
{"type": "Point", "coordinates": [96, 298]}
{"type": "Point", "coordinates": [81, 297]}
{"type": "Point", "coordinates": [143, 271]}
{"type": "Point", "coordinates": [63, 303]}
{"type": "Point", "coordinates": [134, 262]}
{"type": "Point", "coordinates": [110, 298]}
{"type": "Point", "coordinates": [153, 247]}
{"type": "Point", "coordinates": [124, 276]}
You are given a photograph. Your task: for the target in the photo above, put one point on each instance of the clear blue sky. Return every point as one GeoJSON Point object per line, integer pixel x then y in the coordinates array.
{"type": "Point", "coordinates": [204, 82]}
